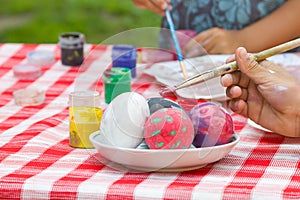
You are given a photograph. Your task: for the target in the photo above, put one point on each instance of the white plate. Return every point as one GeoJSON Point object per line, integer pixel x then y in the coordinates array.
{"type": "Point", "coordinates": [255, 125]}
{"type": "Point", "coordinates": [169, 73]}
{"type": "Point", "coordinates": [166, 160]}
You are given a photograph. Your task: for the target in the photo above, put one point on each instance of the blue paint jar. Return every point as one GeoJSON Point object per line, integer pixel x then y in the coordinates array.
{"type": "Point", "coordinates": [125, 56]}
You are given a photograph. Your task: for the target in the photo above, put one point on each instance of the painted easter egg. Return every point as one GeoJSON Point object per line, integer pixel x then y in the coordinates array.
{"type": "Point", "coordinates": [156, 103]}
{"type": "Point", "coordinates": [169, 128]}
{"type": "Point", "coordinates": [213, 125]}
{"type": "Point", "coordinates": [123, 121]}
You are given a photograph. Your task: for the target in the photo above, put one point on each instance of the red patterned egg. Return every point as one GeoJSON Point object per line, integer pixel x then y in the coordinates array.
{"type": "Point", "coordinates": [169, 128]}
{"type": "Point", "coordinates": [213, 125]}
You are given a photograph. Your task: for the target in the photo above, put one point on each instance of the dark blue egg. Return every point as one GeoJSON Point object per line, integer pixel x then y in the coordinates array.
{"type": "Point", "coordinates": [157, 103]}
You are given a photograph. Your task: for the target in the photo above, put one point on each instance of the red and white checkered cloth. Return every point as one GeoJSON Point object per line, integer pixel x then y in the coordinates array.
{"type": "Point", "coordinates": [36, 161]}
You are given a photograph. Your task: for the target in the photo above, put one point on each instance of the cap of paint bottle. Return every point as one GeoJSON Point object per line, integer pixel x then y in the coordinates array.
{"type": "Point", "coordinates": [117, 80]}
{"type": "Point", "coordinates": [29, 96]}
{"type": "Point", "coordinates": [26, 71]}
{"type": "Point", "coordinates": [72, 46]}
{"type": "Point", "coordinates": [40, 57]}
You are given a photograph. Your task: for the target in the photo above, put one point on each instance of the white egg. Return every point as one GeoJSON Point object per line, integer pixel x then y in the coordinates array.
{"type": "Point", "coordinates": [123, 121]}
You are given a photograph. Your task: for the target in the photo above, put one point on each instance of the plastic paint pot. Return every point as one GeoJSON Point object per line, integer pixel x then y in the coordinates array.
{"type": "Point", "coordinates": [85, 116]}
{"type": "Point", "coordinates": [26, 71]}
{"type": "Point", "coordinates": [116, 81]}
{"type": "Point", "coordinates": [125, 56]}
{"type": "Point", "coordinates": [71, 45]}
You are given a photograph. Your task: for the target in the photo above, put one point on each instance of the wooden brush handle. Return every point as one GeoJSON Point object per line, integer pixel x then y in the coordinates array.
{"type": "Point", "coordinates": [277, 49]}
{"type": "Point", "coordinates": [232, 66]}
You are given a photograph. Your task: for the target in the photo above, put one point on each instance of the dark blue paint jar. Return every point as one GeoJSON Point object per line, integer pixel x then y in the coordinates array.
{"type": "Point", "coordinates": [72, 46]}
{"type": "Point", "coordinates": [125, 56]}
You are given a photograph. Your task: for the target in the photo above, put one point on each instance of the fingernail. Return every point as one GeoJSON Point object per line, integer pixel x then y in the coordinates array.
{"type": "Point", "coordinates": [242, 53]}
{"type": "Point", "coordinates": [226, 80]}
{"type": "Point", "coordinates": [234, 106]}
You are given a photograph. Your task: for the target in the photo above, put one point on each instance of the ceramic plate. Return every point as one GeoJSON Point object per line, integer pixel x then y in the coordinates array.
{"type": "Point", "coordinates": [147, 160]}
{"type": "Point", "coordinates": [255, 125]}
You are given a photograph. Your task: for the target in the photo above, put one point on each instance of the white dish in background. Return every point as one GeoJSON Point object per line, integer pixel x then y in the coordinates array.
{"type": "Point", "coordinates": [165, 160]}
{"type": "Point", "coordinates": [169, 73]}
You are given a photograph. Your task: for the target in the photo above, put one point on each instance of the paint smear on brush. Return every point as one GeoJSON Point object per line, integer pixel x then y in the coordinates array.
{"type": "Point", "coordinates": [167, 92]}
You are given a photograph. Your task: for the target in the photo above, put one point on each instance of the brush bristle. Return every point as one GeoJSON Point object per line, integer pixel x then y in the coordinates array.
{"type": "Point", "coordinates": [167, 91]}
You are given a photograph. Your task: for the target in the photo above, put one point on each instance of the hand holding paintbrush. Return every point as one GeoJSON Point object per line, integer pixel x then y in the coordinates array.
{"type": "Point", "coordinates": [232, 66]}
{"type": "Point", "coordinates": [265, 92]}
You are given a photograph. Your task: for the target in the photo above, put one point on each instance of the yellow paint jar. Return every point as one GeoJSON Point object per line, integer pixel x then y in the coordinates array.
{"type": "Point", "coordinates": [84, 117]}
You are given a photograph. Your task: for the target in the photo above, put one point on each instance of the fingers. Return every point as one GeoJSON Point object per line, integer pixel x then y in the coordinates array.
{"type": "Point", "coordinates": [231, 58]}
{"type": "Point", "coordinates": [237, 92]}
{"type": "Point", "coordinates": [235, 78]}
{"type": "Point", "coordinates": [216, 40]}
{"type": "Point", "coordinates": [246, 63]}
{"type": "Point", "coordinates": [196, 50]}
{"type": "Point", "coordinates": [230, 79]}
{"type": "Point", "coordinates": [238, 106]}
{"type": "Point", "coordinates": [157, 6]}
{"type": "Point", "coordinates": [199, 45]}
{"type": "Point", "coordinates": [250, 67]}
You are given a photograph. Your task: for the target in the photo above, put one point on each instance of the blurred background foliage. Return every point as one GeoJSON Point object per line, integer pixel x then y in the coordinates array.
{"type": "Point", "coordinates": [41, 21]}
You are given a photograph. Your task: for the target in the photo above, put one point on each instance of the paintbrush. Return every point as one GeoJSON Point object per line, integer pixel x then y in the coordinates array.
{"type": "Point", "coordinates": [230, 67]}
{"type": "Point", "coordinates": [176, 43]}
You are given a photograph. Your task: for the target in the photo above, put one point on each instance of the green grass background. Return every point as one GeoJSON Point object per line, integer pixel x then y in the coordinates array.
{"type": "Point", "coordinates": [41, 21]}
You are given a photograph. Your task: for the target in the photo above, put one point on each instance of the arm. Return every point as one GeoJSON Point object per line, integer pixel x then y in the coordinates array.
{"type": "Point", "coordinates": [280, 26]}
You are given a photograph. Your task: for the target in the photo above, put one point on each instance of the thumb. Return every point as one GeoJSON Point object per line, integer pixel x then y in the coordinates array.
{"type": "Point", "coordinates": [249, 66]}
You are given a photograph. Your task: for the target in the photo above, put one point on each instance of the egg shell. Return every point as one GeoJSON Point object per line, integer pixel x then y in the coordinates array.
{"type": "Point", "coordinates": [156, 103]}
{"type": "Point", "coordinates": [123, 121]}
{"type": "Point", "coordinates": [213, 125]}
{"type": "Point", "coordinates": [169, 128]}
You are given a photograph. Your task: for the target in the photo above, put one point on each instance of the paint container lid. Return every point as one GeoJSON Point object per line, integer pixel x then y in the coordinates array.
{"type": "Point", "coordinates": [116, 75]}
{"type": "Point", "coordinates": [29, 97]}
{"type": "Point", "coordinates": [26, 71]}
{"type": "Point", "coordinates": [40, 57]}
{"type": "Point", "coordinates": [71, 40]}
{"type": "Point", "coordinates": [84, 98]}
{"type": "Point", "coordinates": [124, 52]}
{"type": "Point", "coordinates": [116, 81]}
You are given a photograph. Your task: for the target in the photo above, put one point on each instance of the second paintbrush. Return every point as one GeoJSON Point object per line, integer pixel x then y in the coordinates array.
{"type": "Point", "coordinates": [176, 43]}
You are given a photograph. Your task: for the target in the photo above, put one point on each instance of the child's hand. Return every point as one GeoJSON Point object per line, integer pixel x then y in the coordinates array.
{"type": "Point", "coordinates": [157, 6]}
{"type": "Point", "coordinates": [213, 41]}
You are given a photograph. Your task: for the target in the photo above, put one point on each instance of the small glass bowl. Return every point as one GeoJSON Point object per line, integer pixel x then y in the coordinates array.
{"type": "Point", "coordinates": [29, 97]}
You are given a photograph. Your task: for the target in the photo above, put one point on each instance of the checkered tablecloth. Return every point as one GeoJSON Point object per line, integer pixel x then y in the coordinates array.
{"type": "Point", "coordinates": [36, 161]}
